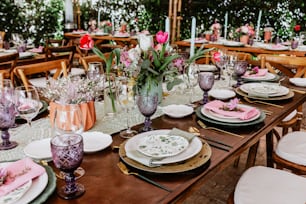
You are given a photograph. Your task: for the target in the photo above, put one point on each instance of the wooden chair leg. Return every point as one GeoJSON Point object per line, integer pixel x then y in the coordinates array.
{"type": "Point", "coordinates": [236, 162]}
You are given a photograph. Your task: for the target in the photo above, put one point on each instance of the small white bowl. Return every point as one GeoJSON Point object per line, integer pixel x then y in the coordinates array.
{"type": "Point", "coordinates": [177, 111]}
{"type": "Point", "coordinates": [298, 81]}
{"type": "Point", "coordinates": [222, 94]}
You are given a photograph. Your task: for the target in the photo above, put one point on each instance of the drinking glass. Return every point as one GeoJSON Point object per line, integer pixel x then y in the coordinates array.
{"type": "Point", "coordinates": [206, 82]}
{"type": "Point", "coordinates": [67, 154]}
{"type": "Point", "coordinates": [27, 102]}
{"type": "Point", "coordinates": [191, 80]}
{"type": "Point", "coordinates": [68, 120]}
{"type": "Point", "coordinates": [230, 68]}
{"type": "Point", "coordinates": [7, 113]}
{"type": "Point", "coordinates": [95, 73]}
{"type": "Point", "coordinates": [240, 68]}
{"type": "Point", "coordinates": [127, 102]}
{"type": "Point", "coordinates": [221, 64]}
{"type": "Point", "coordinates": [147, 105]}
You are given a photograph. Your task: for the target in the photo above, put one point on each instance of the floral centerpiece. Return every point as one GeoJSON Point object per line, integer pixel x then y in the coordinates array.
{"type": "Point", "coordinates": [105, 26]}
{"type": "Point", "coordinates": [245, 32]}
{"type": "Point", "coordinates": [216, 29]}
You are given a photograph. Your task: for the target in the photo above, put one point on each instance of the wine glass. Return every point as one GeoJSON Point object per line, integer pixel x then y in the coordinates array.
{"type": "Point", "coordinates": [147, 105]}
{"type": "Point", "coordinates": [127, 102]}
{"type": "Point", "coordinates": [95, 73]}
{"type": "Point", "coordinates": [27, 102]}
{"type": "Point", "coordinates": [240, 68]}
{"type": "Point", "coordinates": [7, 113]}
{"type": "Point", "coordinates": [206, 82]}
{"type": "Point", "coordinates": [67, 154]}
{"type": "Point", "coordinates": [191, 79]}
{"type": "Point", "coordinates": [67, 119]}
{"type": "Point", "coordinates": [221, 64]}
{"type": "Point", "coordinates": [230, 68]}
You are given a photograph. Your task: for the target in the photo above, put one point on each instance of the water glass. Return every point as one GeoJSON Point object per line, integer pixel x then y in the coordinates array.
{"type": "Point", "coordinates": [240, 68]}
{"type": "Point", "coordinates": [147, 105]}
{"type": "Point", "coordinates": [206, 82]}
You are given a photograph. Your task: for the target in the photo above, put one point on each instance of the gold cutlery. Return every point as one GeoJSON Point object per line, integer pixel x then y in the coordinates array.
{"type": "Point", "coordinates": [126, 171]}
{"type": "Point", "coordinates": [262, 102]}
{"type": "Point", "coordinates": [298, 91]}
{"type": "Point", "coordinates": [217, 129]}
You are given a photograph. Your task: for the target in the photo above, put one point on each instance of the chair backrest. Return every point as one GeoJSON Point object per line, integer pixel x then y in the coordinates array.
{"type": "Point", "coordinates": [23, 72]}
{"type": "Point", "coordinates": [8, 63]}
{"type": "Point", "coordinates": [61, 52]}
{"type": "Point", "coordinates": [285, 64]}
{"type": "Point", "coordinates": [2, 34]}
{"type": "Point", "coordinates": [92, 58]}
{"type": "Point", "coordinates": [55, 42]}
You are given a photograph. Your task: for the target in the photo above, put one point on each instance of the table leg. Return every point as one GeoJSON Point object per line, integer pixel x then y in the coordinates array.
{"type": "Point", "coordinates": [269, 148]}
{"type": "Point", "coordinates": [252, 155]}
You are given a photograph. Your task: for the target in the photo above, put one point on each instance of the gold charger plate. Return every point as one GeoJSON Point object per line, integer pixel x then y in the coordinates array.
{"type": "Point", "coordinates": [190, 164]}
{"type": "Point", "coordinates": [277, 98]}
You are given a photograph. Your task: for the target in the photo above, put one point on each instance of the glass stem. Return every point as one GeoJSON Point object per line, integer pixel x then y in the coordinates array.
{"type": "Point", "coordinates": [147, 124]}
{"type": "Point", "coordinates": [5, 137]}
{"type": "Point", "coordinates": [70, 183]}
{"type": "Point", "coordinates": [128, 119]}
{"type": "Point", "coordinates": [205, 97]}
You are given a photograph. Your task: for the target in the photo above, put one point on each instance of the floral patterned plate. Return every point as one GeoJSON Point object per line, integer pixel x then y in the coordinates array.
{"type": "Point", "coordinates": [159, 146]}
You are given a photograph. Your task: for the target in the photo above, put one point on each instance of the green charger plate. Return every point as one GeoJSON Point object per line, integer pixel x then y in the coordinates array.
{"type": "Point", "coordinates": [229, 125]}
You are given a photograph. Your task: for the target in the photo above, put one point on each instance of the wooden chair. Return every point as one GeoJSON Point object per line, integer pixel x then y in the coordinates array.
{"type": "Point", "coordinates": [268, 185]}
{"type": "Point", "coordinates": [92, 58]}
{"type": "Point", "coordinates": [55, 42]}
{"type": "Point", "coordinates": [26, 72]}
{"type": "Point", "coordinates": [61, 52]}
{"type": "Point", "coordinates": [290, 67]}
{"type": "Point", "coordinates": [8, 63]}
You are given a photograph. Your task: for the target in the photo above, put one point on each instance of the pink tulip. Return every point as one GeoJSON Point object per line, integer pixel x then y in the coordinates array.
{"type": "Point", "coordinates": [217, 56]}
{"type": "Point", "coordinates": [86, 42]}
{"type": "Point", "coordinates": [162, 37]}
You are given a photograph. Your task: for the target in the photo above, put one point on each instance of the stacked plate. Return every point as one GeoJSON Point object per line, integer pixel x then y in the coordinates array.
{"type": "Point", "coordinates": [267, 77]}
{"type": "Point", "coordinates": [160, 151]}
{"type": "Point", "coordinates": [233, 119]}
{"type": "Point", "coordinates": [34, 191]}
{"type": "Point", "coordinates": [233, 44]}
{"type": "Point", "coordinates": [298, 81]}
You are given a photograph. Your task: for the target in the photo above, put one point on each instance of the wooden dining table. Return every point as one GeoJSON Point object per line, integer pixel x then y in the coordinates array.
{"type": "Point", "coordinates": [105, 183]}
{"type": "Point", "coordinates": [247, 48]}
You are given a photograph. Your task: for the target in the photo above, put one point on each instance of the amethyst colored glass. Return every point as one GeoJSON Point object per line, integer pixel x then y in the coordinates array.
{"type": "Point", "coordinates": [67, 154]}
{"type": "Point", "coordinates": [7, 114]}
{"type": "Point", "coordinates": [240, 68]}
{"type": "Point", "coordinates": [147, 105]}
{"type": "Point", "coordinates": [206, 82]}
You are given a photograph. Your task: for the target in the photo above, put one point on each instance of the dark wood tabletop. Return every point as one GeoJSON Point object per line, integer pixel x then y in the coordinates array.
{"type": "Point", "coordinates": [105, 183]}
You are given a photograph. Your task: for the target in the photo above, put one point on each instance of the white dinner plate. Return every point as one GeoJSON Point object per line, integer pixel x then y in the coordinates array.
{"type": "Point", "coordinates": [298, 81]}
{"type": "Point", "coordinates": [16, 194]}
{"type": "Point", "coordinates": [96, 141]}
{"type": "Point", "coordinates": [278, 47]}
{"type": "Point", "coordinates": [197, 40]}
{"type": "Point", "coordinates": [302, 47]}
{"type": "Point", "coordinates": [177, 111]}
{"type": "Point", "coordinates": [222, 94]}
{"type": "Point", "coordinates": [268, 76]}
{"type": "Point", "coordinates": [101, 34]}
{"type": "Point", "coordinates": [233, 44]}
{"type": "Point", "coordinates": [207, 67]}
{"type": "Point", "coordinates": [39, 149]}
{"type": "Point", "coordinates": [264, 89]}
{"type": "Point", "coordinates": [194, 147]}
{"type": "Point", "coordinates": [79, 32]}
{"type": "Point", "coordinates": [23, 55]}
{"type": "Point", "coordinates": [215, 116]}
{"type": "Point", "coordinates": [162, 145]}
{"type": "Point", "coordinates": [37, 187]}
{"type": "Point", "coordinates": [121, 35]}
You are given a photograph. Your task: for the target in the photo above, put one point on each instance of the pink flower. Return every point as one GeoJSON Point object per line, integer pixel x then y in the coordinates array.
{"type": "Point", "coordinates": [162, 37]}
{"type": "Point", "coordinates": [86, 42]}
{"type": "Point", "coordinates": [124, 58]}
{"type": "Point", "coordinates": [179, 63]}
{"type": "Point", "coordinates": [255, 70]}
{"type": "Point", "coordinates": [158, 47]}
{"type": "Point", "coordinates": [217, 56]}
{"type": "Point", "coordinates": [232, 105]}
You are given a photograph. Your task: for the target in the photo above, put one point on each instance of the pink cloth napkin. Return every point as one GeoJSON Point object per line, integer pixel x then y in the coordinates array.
{"type": "Point", "coordinates": [37, 50]}
{"type": "Point", "coordinates": [24, 170]}
{"type": "Point", "coordinates": [261, 72]}
{"type": "Point", "coordinates": [245, 114]}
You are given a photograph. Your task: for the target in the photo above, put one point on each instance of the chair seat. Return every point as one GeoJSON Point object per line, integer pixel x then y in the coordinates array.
{"type": "Point", "coordinates": [268, 185]}
{"type": "Point", "coordinates": [292, 147]}
{"type": "Point", "coordinates": [77, 71]}
{"type": "Point", "coordinates": [290, 116]}
{"type": "Point", "coordinates": [40, 82]}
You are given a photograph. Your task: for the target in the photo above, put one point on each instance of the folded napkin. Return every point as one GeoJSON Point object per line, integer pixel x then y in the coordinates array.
{"type": "Point", "coordinates": [260, 73]}
{"type": "Point", "coordinates": [149, 161]}
{"type": "Point", "coordinates": [19, 173]}
{"type": "Point", "coordinates": [37, 50]}
{"type": "Point", "coordinates": [244, 114]}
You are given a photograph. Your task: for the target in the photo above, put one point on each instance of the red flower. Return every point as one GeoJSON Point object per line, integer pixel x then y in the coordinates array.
{"type": "Point", "coordinates": [86, 42]}
{"type": "Point", "coordinates": [297, 28]}
{"type": "Point", "coordinates": [217, 56]}
{"type": "Point", "coordinates": [161, 37]}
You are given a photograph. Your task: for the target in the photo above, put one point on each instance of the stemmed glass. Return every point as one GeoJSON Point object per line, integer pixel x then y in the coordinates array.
{"type": "Point", "coordinates": [230, 68]}
{"type": "Point", "coordinates": [67, 154]}
{"type": "Point", "coordinates": [240, 68]}
{"type": "Point", "coordinates": [221, 64]}
{"type": "Point", "coordinates": [95, 73]}
{"type": "Point", "coordinates": [67, 119]}
{"type": "Point", "coordinates": [7, 113]}
{"type": "Point", "coordinates": [192, 75]}
{"type": "Point", "coordinates": [127, 101]}
{"type": "Point", "coordinates": [147, 105]}
{"type": "Point", "coordinates": [206, 82]}
{"type": "Point", "coordinates": [27, 102]}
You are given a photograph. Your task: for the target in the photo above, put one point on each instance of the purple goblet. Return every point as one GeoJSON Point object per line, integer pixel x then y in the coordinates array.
{"type": "Point", "coordinates": [240, 68]}
{"type": "Point", "coordinates": [147, 105]}
{"type": "Point", "coordinates": [7, 115]}
{"type": "Point", "coordinates": [67, 154]}
{"type": "Point", "coordinates": [206, 82]}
